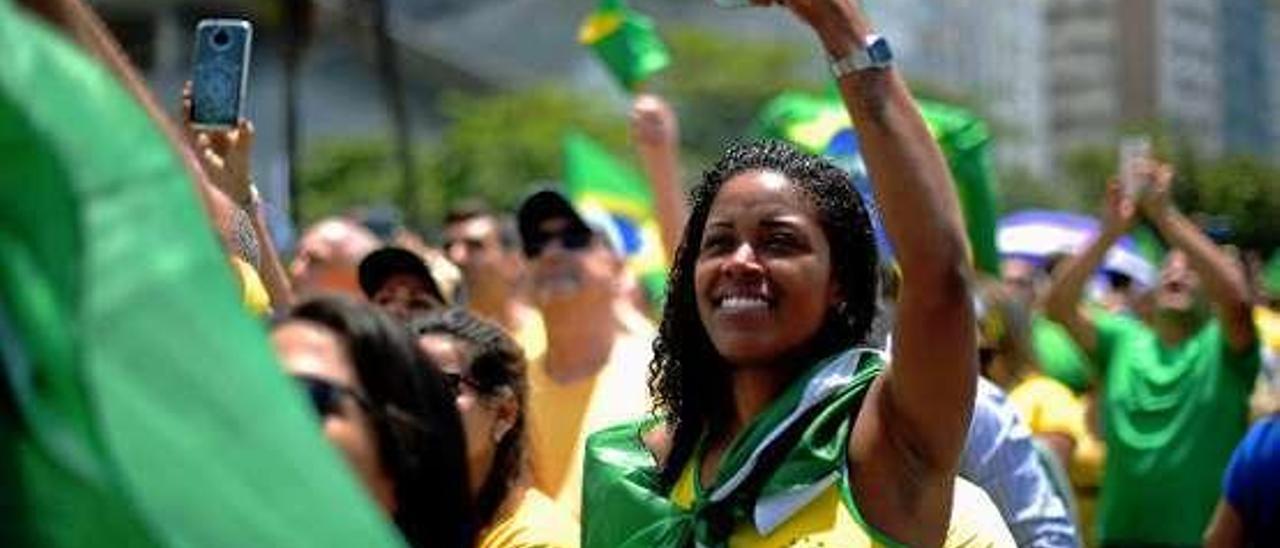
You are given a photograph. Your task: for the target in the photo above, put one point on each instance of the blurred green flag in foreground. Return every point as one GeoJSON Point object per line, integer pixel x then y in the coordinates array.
{"type": "Point", "coordinates": [141, 405]}
{"type": "Point", "coordinates": [625, 41]}
{"type": "Point", "coordinates": [820, 125]}
{"type": "Point", "coordinates": [595, 179]}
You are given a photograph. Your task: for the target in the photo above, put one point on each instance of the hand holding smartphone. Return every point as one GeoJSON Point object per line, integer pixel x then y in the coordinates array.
{"type": "Point", "coordinates": [220, 72]}
{"type": "Point", "coordinates": [1133, 149]}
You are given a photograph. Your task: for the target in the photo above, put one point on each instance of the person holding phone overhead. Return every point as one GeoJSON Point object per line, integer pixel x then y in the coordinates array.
{"type": "Point", "coordinates": [222, 140]}
{"type": "Point", "coordinates": [775, 427]}
{"type": "Point", "coordinates": [1176, 382]}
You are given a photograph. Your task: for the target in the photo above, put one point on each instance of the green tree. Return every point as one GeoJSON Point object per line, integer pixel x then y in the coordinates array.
{"type": "Point", "coordinates": [497, 145]}
{"type": "Point", "coordinates": [1241, 191]}
{"type": "Point", "coordinates": [718, 82]}
{"type": "Point", "coordinates": [1246, 192]}
{"type": "Point", "coordinates": [343, 175]}
{"type": "Point", "coordinates": [1019, 189]}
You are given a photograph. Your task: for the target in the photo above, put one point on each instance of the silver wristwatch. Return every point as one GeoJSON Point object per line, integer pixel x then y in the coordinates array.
{"type": "Point", "coordinates": [874, 54]}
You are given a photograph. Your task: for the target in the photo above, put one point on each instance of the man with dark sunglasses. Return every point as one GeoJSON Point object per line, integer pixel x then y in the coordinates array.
{"type": "Point", "coordinates": [593, 373]}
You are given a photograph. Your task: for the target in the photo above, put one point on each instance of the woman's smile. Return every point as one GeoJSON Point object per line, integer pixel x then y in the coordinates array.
{"type": "Point", "coordinates": [763, 275]}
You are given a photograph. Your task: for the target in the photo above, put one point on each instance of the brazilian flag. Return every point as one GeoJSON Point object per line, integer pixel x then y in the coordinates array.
{"type": "Point", "coordinates": [141, 405]}
{"type": "Point", "coordinates": [625, 41]}
{"type": "Point", "coordinates": [594, 179]}
{"type": "Point", "coordinates": [819, 124]}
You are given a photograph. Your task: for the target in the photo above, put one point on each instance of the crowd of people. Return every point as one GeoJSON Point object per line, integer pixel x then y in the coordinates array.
{"type": "Point", "coordinates": [506, 383]}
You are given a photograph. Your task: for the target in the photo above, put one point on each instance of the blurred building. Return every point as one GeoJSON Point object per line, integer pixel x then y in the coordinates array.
{"type": "Point", "coordinates": [1248, 51]}
{"type": "Point", "coordinates": [1116, 64]}
{"type": "Point", "coordinates": [990, 52]}
{"type": "Point", "coordinates": [1083, 74]}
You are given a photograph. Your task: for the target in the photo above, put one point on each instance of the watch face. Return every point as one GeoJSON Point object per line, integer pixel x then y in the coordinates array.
{"type": "Point", "coordinates": [879, 52]}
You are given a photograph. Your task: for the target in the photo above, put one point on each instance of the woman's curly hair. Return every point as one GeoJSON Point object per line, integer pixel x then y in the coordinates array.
{"type": "Point", "coordinates": [688, 379]}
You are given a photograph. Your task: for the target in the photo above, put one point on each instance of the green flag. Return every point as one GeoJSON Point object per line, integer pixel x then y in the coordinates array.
{"type": "Point", "coordinates": [594, 179]}
{"type": "Point", "coordinates": [798, 442]}
{"type": "Point", "coordinates": [965, 140]}
{"type": "Point", "coordinates": [141, 404]}
{"type": "Point", "coordinates": [820, 125]}
{"type": "Point", "coordinates": [625, 41]}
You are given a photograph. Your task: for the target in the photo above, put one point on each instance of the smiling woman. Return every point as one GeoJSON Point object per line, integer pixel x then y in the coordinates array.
{"type": "Point", "coordinates": [764, 277]}
{"type": "Point", "coordinates": [776, 426]}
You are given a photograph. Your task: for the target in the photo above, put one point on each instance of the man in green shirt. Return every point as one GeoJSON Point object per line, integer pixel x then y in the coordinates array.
{"type": "Point", "coordinates": [1176, 383]}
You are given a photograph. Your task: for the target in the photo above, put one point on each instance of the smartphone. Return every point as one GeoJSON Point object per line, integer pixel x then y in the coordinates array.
{"type": "Point", "coordinates": [1132, 149]}
{"type": "Point", "coordinates": [220, 72]}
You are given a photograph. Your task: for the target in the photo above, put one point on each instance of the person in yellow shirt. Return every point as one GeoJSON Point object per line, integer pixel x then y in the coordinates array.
{"type": "Point", "coordinates": [485, 370]}
{"type": "Point", "coordinates": [593, 373]}
{"type": "Point", "coordinates": [1050, 408]}
{"type": "Point", "coordinates": [486, 247]}
{"type": "Point", "coordinates": [1056, 416]}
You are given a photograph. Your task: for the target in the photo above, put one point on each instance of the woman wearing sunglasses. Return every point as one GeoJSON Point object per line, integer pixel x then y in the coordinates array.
{"type": "Point", "coordinates": [485, 370]}
{"type": "Point", "coordinates": [388, 412]}
{"type": "Point", "coordinates": [775, 428]}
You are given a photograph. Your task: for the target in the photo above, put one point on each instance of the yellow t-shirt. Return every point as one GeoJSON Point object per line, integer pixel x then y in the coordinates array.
{"type": "Point", "coordinates": [532, 337]}
{"type": "Point", "coordinates": [1268, 323]}
{"type": "Point", "coordinates": [833, 519]}
{"type": "Point", "coordinates": [560, 416]}
{"type": "Point", "coordinates": [537, 521]}
{"type": "Point", "coordinates": [252, 293]}
{"type": "Point", "coordinates": [1048, 406]}
{"type": "Point", "coordinates": [1266, 391]}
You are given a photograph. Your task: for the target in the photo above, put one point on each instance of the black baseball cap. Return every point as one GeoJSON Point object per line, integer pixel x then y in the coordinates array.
{"type": "Point", "coordinates": [549, 203]}
{"type": "Point", "coordinates": [381, 265]}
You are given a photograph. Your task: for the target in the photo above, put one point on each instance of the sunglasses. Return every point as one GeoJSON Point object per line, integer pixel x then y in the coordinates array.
{"type": "Point", "coordinates": [455, 381]}
{"type": "Point", "coordinates": [326, 396]}
{"type": "Point", "coordinates": [571, 240]}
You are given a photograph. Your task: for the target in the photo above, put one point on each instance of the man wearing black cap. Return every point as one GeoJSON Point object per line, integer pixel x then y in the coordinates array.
{"type": "Point", "coordinates": [399, 282]}
{"type": "Point", "coordinates": [593, 373]}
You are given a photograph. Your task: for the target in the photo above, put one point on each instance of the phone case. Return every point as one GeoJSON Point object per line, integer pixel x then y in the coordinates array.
{"type": "Point", "coordinates": [219, 78]}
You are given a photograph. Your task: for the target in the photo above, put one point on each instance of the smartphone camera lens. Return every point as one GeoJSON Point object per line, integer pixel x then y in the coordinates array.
{"type": "Point", "coordinates": [221, 39]}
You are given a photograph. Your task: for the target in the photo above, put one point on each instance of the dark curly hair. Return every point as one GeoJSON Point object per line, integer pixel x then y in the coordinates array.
{"type": "Point", "coordinates": [419, 433]}
{"type": "Point", "coordinates": [495, 361]}
{"type": "Point", "coordinates": [688, 378]}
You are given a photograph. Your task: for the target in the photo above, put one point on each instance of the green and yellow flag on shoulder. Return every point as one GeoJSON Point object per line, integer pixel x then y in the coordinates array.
{"type": "Point", "coordinates": [140, 405]}
{"type": "Point", "coordinates": [626, 41]}
{"type": "Point", "coordinates": [788, 456]}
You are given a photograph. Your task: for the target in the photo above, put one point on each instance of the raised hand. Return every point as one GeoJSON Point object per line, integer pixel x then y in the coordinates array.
{"type": "Point", "coordinates": [224, 153]}
{"type": "Point", "coordinates": [1119, 212]}
{"type": "Point", "coordinates": [1156, 199]}
{"type": "Point", "coordinates": [653, 123]}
